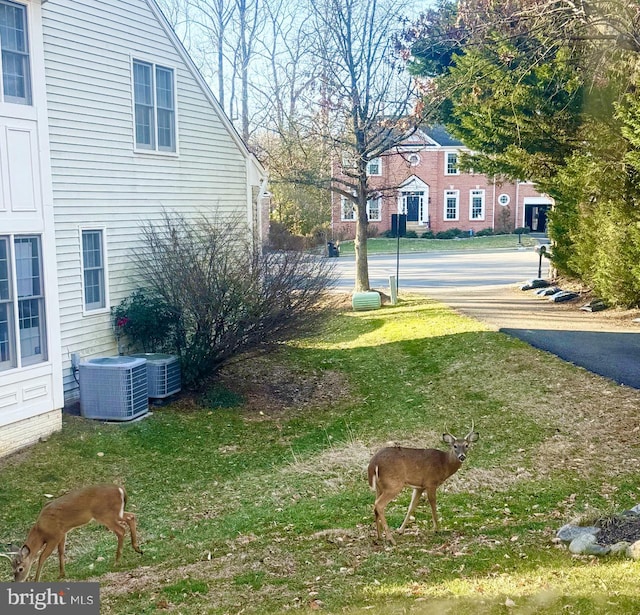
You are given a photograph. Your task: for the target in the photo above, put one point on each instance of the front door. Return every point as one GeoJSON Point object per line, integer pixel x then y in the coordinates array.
{"type": "Point", "coordinates": [412, 205]}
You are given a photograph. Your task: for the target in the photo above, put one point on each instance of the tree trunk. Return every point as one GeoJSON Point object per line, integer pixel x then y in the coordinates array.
{"type": "Point", "coordinates": [360, 243]}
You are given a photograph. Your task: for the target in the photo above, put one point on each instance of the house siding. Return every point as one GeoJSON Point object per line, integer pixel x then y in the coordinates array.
{"type": "Point", "coordinates": [99, 181]}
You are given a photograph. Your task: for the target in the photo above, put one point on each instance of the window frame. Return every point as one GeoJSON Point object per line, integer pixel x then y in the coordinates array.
{"type": "Point", "coordinates": [343, 206]}
{"type": "Point", "coordinates": [24, 55]}
{"type": "Point", "coordinates": [482, 194]}
{"type": "Point", "coordinates": [155, 108]}
{"type": "Point", "coordinates": [373, 161]}
{"type": "Point", "coordinates": [451, 168]}
{"type": "Point", "coordinates": [89, 309]}
{"type": "Point", "coordinates": [24, 289]}
{"type": "Point", "coordinates": [378, 200]}
{"type": "Point", "coordinates": [456, 195]}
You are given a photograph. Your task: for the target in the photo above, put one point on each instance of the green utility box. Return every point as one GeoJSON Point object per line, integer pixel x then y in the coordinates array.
{"type": "Point", "coordinates": [368, 300]}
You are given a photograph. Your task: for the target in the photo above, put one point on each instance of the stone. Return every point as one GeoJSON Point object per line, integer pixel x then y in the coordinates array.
{"type": "Point", "coordinates": [569, 532]}
{"type": "Point", "coordinates": [596, 549]}
{"type": "Point", "coordinates": [636, 509]}
{"type": "Point", "coordinates": [580, 543]}
{"type": "Point", "coordinates": [620, 548]}
{"type": "Point", "coordinates": [633, 550]}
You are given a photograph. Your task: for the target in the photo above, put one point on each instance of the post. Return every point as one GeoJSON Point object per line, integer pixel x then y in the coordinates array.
{"type": "Point", "coordinates": [397, 259]}
{"type": "Point", "coordinates": [541, 252]}
{"type": "Point", "coordinates": [393, 289]}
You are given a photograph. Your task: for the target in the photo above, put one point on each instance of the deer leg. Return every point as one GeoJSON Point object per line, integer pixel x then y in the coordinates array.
{"type": "Point", "coordinates": [117, 527]}
{"type": "Point", "coordinates": [61, 546]}
{"type": "Point", "coordinates": [130, 520]}
{"type": "Point", "coordinates": [415, 499]}
{"type": "Point", "coordinates": [46, 552]}
{"type": "Point", "coordinates": [431, 494]}
{"type": "Point", "coordinates": [378, 508]}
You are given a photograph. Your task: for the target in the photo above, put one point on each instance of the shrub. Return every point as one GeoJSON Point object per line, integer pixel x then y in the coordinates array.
{"type": "Point", "coordinates": [389, 234]}
{"type": "Point", "coordinates": [485, 232]}
{"type": "Point", "coordinates": [226, 297]}
{"type": "Point", "coordinates": [459, 232]}
{"type": "Point", "coordinates": [449, 234]}
{"type": "Point", "coordinates": [411, 235]}
{"type": "Point", "coordinates": [521, 230]}
{"type": "Point", "coordinates": [427, 235]}
{"type": "Point", "coordinates": [145, 320]}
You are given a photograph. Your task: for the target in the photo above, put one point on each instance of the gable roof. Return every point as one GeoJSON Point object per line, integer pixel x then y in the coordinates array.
{"type": "Point", "coordinates": [184, 54]}
{"type": "Point", "coordinates": [439, 134]}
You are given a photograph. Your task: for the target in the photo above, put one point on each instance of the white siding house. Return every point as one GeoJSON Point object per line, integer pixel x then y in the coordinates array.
{"type": "Point", "coordinates": [116, 127]}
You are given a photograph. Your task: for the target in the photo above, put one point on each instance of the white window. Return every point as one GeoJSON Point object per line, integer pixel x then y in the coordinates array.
{"type": "Point", "coordinates": [347, 209]}
{"type": "Point", "coordinates": [476, 205]}
{"type": "Point", "coordinates": [414, 159]}
{"type": "Point", "coordinates": [93, 270]}
{"type": "Point", "coordinates": [374, 209]}
{"type": "Point", "coordinates": [22, 317]}
{"type": "Point", "coordinates": [504, 199]}
{"type": "Point", "coordinates": [154, 102]}
{"type": "Point", "coordinates": [451, 204]}
{"type": "Point", "coordinates": [374, 167]}
{"type": "Point", "coordinates": [16, 80]}
{"type": "Point", "coordinates": [451, 164]}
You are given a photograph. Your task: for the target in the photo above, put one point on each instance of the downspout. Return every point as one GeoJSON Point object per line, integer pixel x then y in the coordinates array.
{"type": "Point", "coordinates": [493, 215]}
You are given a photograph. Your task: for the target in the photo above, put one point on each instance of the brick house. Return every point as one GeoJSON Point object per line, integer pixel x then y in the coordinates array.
{"type": "Point", "coordinates": [421, 178]}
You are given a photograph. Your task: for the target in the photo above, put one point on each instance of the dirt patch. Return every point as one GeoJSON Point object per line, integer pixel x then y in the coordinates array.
{"type": "Point", "coordinates": [618, 528]}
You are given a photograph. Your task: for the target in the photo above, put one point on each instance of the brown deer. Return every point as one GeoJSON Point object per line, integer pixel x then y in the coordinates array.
{"type": "Point", "coordinates": [104, 503]}
{"type": "Point", "coordinates": [393, 468]}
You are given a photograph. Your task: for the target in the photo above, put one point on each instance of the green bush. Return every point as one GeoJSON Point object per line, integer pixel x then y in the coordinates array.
{"type": "Point", "coordinates": [427, 235]}
{"type": "Point", "coordinates": [485, 232]}
{"type": "Point", "coordinates": [450, 234]}
{"type": "Point", "coordinates": [411, 235]}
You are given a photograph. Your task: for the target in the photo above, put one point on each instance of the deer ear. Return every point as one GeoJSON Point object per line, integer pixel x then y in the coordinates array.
{"type": "Point", "coordinates": [24, 551]}
{"type": "Point", "coordinates": [473, 436]}
{"type": "Point", "coordinates": [448, 438]}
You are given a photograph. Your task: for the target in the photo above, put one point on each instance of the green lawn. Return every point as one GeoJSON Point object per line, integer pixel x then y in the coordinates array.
{"type": "Point", "coordinates": [263, 506]}
{"type": "Point", "coordinates": [379, 245]}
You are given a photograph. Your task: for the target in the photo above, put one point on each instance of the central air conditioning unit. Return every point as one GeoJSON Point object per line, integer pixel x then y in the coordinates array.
{"type": "Point", "coordinates": [163, 374]}
{"type": "Point", "coordinates": [113, 388]}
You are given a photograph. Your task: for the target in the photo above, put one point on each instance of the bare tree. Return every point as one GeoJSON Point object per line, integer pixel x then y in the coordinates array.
{"type": "Point", "coordinates": [367, 98]}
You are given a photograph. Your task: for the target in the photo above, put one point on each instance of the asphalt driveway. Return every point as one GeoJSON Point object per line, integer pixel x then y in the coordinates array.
{"type": "Point", "coordinates": [485, 286]}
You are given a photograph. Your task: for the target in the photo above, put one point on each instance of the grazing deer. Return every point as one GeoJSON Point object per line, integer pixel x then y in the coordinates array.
{"type": "Point", "coordinates": [104, 503]}
{"type": "Point", "coordinates": [393, 468]}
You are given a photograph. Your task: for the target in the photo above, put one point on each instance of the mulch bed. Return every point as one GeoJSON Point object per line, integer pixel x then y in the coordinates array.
{"type": "Point", "coordinates": [618, 528]}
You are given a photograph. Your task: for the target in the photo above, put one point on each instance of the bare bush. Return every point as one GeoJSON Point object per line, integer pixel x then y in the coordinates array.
{"type": "Point", "coordinates": [227, 297]}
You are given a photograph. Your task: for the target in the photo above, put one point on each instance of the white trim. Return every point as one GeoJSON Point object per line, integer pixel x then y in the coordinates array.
{"type": "Point", "coordinates": [343, 202]}
{"type": "Point", "coordinates": [379, 200]}
{"type": "Point", "coordinates": [379, 173]}
{"type": "Point", "coordinates": [483, 194]}
{"type": "Point", "coordinates": [147, 59]}
{"type": "Point", "coordinates": [447, 153]}
{"type": "Point", "coordinates": [455, 193]}
{"type": "Point", "coordinates": [105, 269]}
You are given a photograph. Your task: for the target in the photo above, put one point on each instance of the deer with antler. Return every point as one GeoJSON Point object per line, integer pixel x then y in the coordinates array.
{"type": "Point", "coordinates": [393, 468]}
{"type": "Point", "coordinates": [104, 503]}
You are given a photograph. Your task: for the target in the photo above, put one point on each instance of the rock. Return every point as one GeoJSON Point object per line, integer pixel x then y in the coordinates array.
{"type": "Point", "coordinates": [581, 543]}
{"type": "Point", "coordinates": [636, 509]}
{"type": "Point", "coordinates": [569, 532]}
{"type": "Point", "coordinates": [596, 549]}
{"type": "Point", "coordinates": [620, 548]}
{"type": "Point", "coordinates": [633, 550]}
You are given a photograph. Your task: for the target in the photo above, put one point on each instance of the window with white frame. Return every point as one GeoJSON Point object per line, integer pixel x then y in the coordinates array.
{"type": "Point", "coordinates": [154, 102]}
{"type": "Point", "coordinates": [476, 205]}
{"type": "Point", "coordinates": [374, 167]}
{"type": "Point", "coordinates": [451, 164]}
{"type": "Point", "coordinates": [451, 204]}
{"type": "Point", "coordinates": [22, 315]}
{"type": "Point", "coordinates": [347, 209]}
{"type": "Point", "coordinates": [504, 199]}
{"type": "Point", "coordinates": [374, 209]}
{"type": "Point", "coordinates": [93, 273]}
{"type": "Point", "coordinates": [14, 45]}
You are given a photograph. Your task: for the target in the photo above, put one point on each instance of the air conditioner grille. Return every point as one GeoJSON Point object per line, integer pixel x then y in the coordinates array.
{"type": "Point", "coordinates": [113, 388]}
{"type": "Point", "coordinates": [163, 374]}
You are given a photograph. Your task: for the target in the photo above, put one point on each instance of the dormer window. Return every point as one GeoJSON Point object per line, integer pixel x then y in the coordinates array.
{"type": "Point", "coordinates": [14, 45]}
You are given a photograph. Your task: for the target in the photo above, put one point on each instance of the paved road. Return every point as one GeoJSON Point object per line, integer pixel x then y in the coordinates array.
{"type": "Point", "coordinates": [485, 286]}
{"type": "Point", "coordinates": [435, 269]}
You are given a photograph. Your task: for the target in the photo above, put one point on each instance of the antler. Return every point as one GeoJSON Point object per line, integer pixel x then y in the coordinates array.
{"type": "Point", "coordinates": [6, 555]}
{"type": "Point", "coordinates": [471, 431]}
